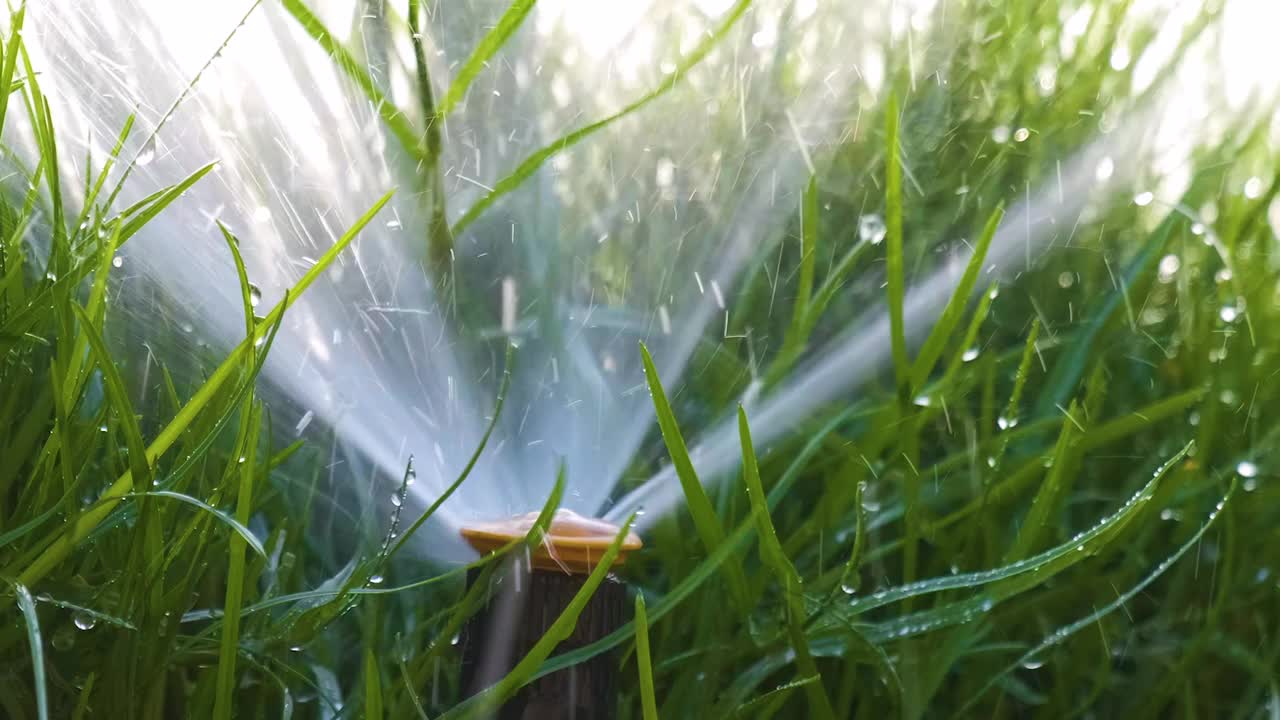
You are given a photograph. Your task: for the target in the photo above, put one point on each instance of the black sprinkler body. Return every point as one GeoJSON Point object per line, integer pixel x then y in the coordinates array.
{"type": "Point", "coordinates": [525, 601]}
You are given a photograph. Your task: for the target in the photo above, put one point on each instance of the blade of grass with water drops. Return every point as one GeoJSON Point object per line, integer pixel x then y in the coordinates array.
{"type": "Point", "coordinates": [1013, 579]}
{"type": "Point", "coordinates": [1056, 483]}
{"type": "Point", "coordinates": [1061, 635]}
{"type": "Point", "coordinates": [28, 607]}
{"type": "Point", "coordinates": [1040, 567]}
{"type": "Point", "coordinates": [929, 353]}
{"type": "Point", "coordinates": [784, 572]}
{"type": "Point", "coordinates": [708, 525]}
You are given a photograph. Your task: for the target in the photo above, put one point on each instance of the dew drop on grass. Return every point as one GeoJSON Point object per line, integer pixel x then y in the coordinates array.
{"type": "Point", "coordinates": [396, 500]}
{"type": "Point", "coordinates": [1033, 664]}
{"type": "Point", "coordinates": [970, 355]}
{"type": "Point", "coordinates": [375, 579]}
{"type": "Point", "coordinates": [187, 327]}
{"type": "Point", "coordinates": [83, 620]}
{"type": "Point", "coordinates": [1253, 187]}
{"type": "Point", "coordinates": [1246, 469]}
{"type": "Point", "coordinates": [1000, 134]}
{"type": "Point", "coordinates": [848, 588]}
{"type": "Point", "coordinates": [1004, 423]}
{"type": "Point", "coordinates": [1021, 134]}
{"type": "Point", "coordinates": [117, 261]}
{"type": "Point", "coordinates": [871, 229]}
{"type": "Point", "coordinates": [1197, 228]}
{"type": "Point", "coordinates": [923, 401]}
{"type": "Point", "coordinates": [1169, 266]}
{"type": "Point", "coordinates": [255, 295]}
{"type": "Point", "coordinates": [1223, 276]}
{"type": "Point", "coordinates": [1066, 279]}
{"type": "Point", "coordinates": [1143, 199]}
{"type": "Point", "coordinates": [1228, 314]}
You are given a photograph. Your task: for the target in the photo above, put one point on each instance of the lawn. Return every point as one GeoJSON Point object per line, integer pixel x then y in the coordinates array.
{"type": "Point", "coordinates": [958, 329]}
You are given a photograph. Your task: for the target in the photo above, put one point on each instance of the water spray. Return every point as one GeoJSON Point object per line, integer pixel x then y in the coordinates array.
{"type": "Point", "coordinates": [524, 601]}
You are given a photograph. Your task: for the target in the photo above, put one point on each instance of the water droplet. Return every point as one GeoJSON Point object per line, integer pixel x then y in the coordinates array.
{"type": "Point", "coordinates": [51, 277]}
{"type": "Point", "coordinates": [1106, 168]}
{"type": "Point", "coordinates": [187, 327]}
{"type": "Point", "coordinates": [102, 427]}
{"type": "Point", "coordinates": [1253, 187]}
{"type": "Point", "coordinates": [1197, 228]}
{"type": "Point", "coordinates": [1227, 397]}
{"type": "Point", "coordinates": [871, 229]}
{"type": "Point", "coordinates": [1228, 314]}
{"type": "Point", "coordinates": [83, 620]}
{"type": "Point", "coordinates": [923, 401]}
{"type": "Point", "coordinates": [396, 500]}
{"type": "Point", "coordinates": [454, 640]}
{"type": "Point", "coordinates": [1066, 279]}
{"type": "Point", "coordinates": [1004, 423]}
{"type": "Point", "coordinates": [1143, 199]}
{"type": "Point", "coordinates": [1170, 514]}
{"type": "Point", "coordinates": [1000, 134]}
{"type": "Point", "coordinates": [848, 588]}
{"type": "Point", "coordinates": [970, 355]}
{"type": "Point", "coordinates": [1246, 469]}
{"type": "Point", "coordinates": [375, 579]}
{"type": "Point", "coordinates": [1033, 664]}
{"type": "Point", "coordinates": [255, 295]}
{"type": "Point", "coordinates": [1021, 134]}
{"type": "Point", "coordinates": [117, 261]}
{"type": "Point", "coordinates": [1169, 266]}
{"type": "Point", "coordinates": [1250, 485]}
{"type": "Point", "coordinates": [995, 293]}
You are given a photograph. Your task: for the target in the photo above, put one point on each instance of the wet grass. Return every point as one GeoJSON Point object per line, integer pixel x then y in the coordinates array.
{"type": "Point", "coordinates": [1062, 502]}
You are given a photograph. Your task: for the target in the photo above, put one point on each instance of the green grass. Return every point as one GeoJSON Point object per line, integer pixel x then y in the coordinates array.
{"type": "Point", "coordinates": [1062, 502]}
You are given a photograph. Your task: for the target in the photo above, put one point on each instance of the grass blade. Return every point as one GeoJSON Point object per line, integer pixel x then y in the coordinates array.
{"type": "Point", "coordinates": [1060, 635]}
{"type": "Point", "coordinates": [223, 517]}
{"type": "Point", "coordinates": [397, 121]}
{"type": "Point", "coordinates": [893, 251]}
{"type": "Point", "coordinates": [492, 42]}
{"type": "Point", "coordinates": [28, 607]}
{"type": "Point", "coordinates": [648, 704]}
{"type": "Point", "coordinates": [932, 348]}
{"type": "Point", "coordinates": [705, 520]}
{"type": "Point", "coordinates": [784, 572]}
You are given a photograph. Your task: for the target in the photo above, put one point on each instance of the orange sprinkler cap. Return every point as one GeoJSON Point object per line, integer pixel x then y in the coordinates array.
{"type": "Point", "coordinates": [573, 545]}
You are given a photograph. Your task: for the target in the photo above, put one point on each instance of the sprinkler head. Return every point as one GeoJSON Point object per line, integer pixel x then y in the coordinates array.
{"type": "Point", "coordinates": [573, 544]}
{"type": "Point", "coordinates": [523, 603]}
